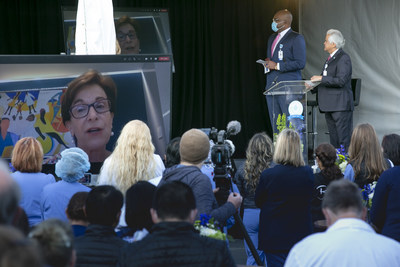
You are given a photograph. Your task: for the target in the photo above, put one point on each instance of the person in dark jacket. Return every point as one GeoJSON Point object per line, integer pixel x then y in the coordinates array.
{"type": "Point", "coordinates": [385, 210]}
{"type": "Point", "coordinates": [258, 158]}
{"type": "Point", "coordinates": [284, 196]}
{"type": "Point", "coordinates": [193, 149]}
{"type": "Point", "coordinates": [100, 245]}
{"type": "Point", "coordinates": [173, 241]}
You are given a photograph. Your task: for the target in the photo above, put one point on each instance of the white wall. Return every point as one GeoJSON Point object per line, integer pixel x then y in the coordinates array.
{"type": "Point", "coordinates": [372, 32]}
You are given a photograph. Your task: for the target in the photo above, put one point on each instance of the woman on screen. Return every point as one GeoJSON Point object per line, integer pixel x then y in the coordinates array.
{"type": "Point", "coordinates": [127, 30]}
{"type": "Point", "coordinates": [87, 109]}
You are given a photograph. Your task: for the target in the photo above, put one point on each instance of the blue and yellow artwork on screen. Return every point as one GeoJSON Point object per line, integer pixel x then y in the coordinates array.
{"type": "Point", "coordinates": [34, 113]}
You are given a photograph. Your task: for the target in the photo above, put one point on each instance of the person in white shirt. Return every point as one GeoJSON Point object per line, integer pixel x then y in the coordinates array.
{"type": "Point", "coordinates": [349, 240]}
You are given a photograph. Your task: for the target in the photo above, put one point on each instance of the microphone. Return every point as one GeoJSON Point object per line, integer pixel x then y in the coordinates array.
{"type": "Point", "coordinates": [233, 128]}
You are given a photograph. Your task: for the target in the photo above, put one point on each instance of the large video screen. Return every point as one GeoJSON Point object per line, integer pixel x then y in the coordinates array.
{"type": "Point", "coordinates": [152, 28]}
{"type": "Point", "coordinates": [31, 88]}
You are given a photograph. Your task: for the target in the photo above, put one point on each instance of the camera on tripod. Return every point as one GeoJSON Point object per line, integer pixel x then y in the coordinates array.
{"type": "Point", "coordinates": [221, 154]}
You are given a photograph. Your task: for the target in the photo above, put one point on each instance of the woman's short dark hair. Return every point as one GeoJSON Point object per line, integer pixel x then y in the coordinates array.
{"type": "Point", "coordinates": [391, 148]}
{"type": "Point", "coordinates": [90, 77]}
{"type": "Point", "coordinates": [172, 156]}
{"type": "Point", "coordinates": [75, 208]}
{"type": "Point", "coordinates": [138, 201]}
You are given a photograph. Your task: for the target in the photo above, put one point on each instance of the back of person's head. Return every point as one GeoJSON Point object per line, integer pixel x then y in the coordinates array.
{"type": "Point", "coordinates": [9, 195]}
{"type": "Point", "coordinates": [133, 157]}
{"type": "Point", "coordinates": [16, 250]}
{"type": "Point", "coordinates": [343, 196]}
{"type": "Point", "coordinates": [391, 148]}
{"type": "Point", "coordinates": [326, 154]}
{"type": "Point", "coordinates": [258, 158]}
{"type": "Point", "coordinates": [288, 149]}
{"type": "Point", "coordinates": [174, 200]}
{"type": "Point", "coordinates": [27, 155]}
{"type": "Point", "coordinates": [103, 205]}
{"type": "Point", "coordinates": [365, 150]}
{"type": "Point", "coordinates": [55, 239]}
{"type": "Point", "coordinates": [73, 165]}
{"type": "Point", "coordinates": [194, 147]}
{"type": "Point", "coordinates": [75, 209]}
{"type": "Point", "coordinates": [138, 202]}
{"type": "Point", "coordinates": [172, 156]}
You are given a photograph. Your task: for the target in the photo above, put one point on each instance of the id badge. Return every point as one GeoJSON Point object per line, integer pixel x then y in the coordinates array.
{"type": "Point", "coordinates": [324, 73]}
{"type": "Point", "coordinates": [280, 52]}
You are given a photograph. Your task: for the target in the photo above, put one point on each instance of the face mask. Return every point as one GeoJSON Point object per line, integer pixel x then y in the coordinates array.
{"type": "Point", "coordinates": [274, 26]}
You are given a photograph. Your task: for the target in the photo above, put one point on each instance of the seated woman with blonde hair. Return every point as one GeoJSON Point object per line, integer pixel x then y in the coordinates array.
{"type": "Point", "coordinates": [284, 196]}
{"type": "Point", "coordinates": [132, 160]}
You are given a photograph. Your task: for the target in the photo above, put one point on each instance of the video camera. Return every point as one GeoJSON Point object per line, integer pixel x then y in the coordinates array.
{"type": "Point", "coordinates": [221, 154]}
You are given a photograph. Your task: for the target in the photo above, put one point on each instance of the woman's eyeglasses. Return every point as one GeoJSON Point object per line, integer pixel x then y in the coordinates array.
{"type": "Point", "coordinates": [82, 110]}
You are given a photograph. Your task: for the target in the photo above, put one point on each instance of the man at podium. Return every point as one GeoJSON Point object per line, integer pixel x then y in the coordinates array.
{"type": "Point", "coordinates": [286, 57]}
{"type": "Point", "coordinates": [335, 96]}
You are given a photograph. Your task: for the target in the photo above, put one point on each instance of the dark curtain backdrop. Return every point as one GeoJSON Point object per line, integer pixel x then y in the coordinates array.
{"type": "Point", "coordinates": [215, 46]}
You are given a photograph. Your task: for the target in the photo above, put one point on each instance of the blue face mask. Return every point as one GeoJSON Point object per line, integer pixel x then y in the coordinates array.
{"type": "Point", "coordinates": [274, 26]}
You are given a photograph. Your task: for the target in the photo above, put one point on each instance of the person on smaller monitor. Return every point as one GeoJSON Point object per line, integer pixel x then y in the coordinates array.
{"type": "Point", "coordinates": [127, 31]}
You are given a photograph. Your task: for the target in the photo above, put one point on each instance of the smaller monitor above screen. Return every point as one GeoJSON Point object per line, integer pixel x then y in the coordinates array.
{"type": "Point", "coordinates": [153, 29]}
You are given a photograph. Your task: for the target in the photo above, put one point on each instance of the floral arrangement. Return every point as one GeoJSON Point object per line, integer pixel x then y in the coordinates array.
{"type": "Point", "coordinates": [368, 194]}
{"type": "Point", "coordinates": [342, 158]}
{"type": "Point", "coordinates": [207, 227]}
{"type": "Point", "coordinates": [281, 124]}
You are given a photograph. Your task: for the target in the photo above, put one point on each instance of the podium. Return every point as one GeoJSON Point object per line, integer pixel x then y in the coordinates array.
{"type": "Point", "coordinates": [294, 95]}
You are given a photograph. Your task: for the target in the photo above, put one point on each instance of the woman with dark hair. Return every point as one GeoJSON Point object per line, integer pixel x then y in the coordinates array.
{"type": "Point", "coordinates": [258, 158]}
{"type": "Point", "coordinates": [76, 213]}
{"type": "Point", "coordinates": [326, 157]}
{"type": "Point", "coordinates": [284, 196]}
{"type": "Point", "coordinates": [87, 109]}
{"type": "Point", "coordinates": [385, 210]}
{"type": "Point", "coordinates": [366, 162]}
{"type": "Point", "coordinates": [138, 201]}
{"type": "Point", "coordinates": [389, 148]}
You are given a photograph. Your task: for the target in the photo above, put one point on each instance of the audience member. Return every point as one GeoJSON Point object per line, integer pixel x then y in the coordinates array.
{"type": "Point", "coordinates": [127, 31]}
{"type": "Point", "coordinates": [91, 129]}
{"type": "Point", "coordinates": [76, 213]}
{"type": "Point", "coordinates": [138, 201]}
{"type": "Point", "coordinates": [385, 210]}
{"type": "Point", "coordinates": [349, 240]}
{"type": "Point", "coordinates": [9, 195]}
{"type": "Point", "coordinates": [55, 240]}
{"type": "Point", "coordinates": [366, 162]}
{"type": "Point", "coordinates": [27, 158]}
{"type": "Point", "coordinates": [100, 245]}
{"type": "Point", "coordinates": [171, 157]}
{"type": "Point", "coordinates": [132, 160]}
{"type": "Point", "coordinates": [284, 195]}
{"type": "Point", "coordinates": [326, 158]}
{"type": "Point", "coordinates": [70, 168]}
{"type": "Point", "coordinates": [173, 240]}
{"type": "Point", "coordinates": [193, 149]}
{"type": "Point", "coordinates": [389, 147]}
{"type": "Point", "coordinates": [258, 158]}
{"type": "Point", "coordinates": [16, 250]}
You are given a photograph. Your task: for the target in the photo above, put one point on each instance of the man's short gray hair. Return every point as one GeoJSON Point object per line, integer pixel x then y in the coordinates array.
{"type": "Point", "coordinates": [342, 196]}
{"type": "Point", "coordinates": [336, 37]}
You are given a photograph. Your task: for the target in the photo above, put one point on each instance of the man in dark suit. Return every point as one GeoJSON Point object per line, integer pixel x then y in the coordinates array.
{"type": "Point", "coordinates": [335, 96]}
{"type": "Point", "coordinates": [286, 57]}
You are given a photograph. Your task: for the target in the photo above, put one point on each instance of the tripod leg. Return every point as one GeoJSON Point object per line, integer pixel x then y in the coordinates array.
{"type": "Point", "coordinates": [248, 240]}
